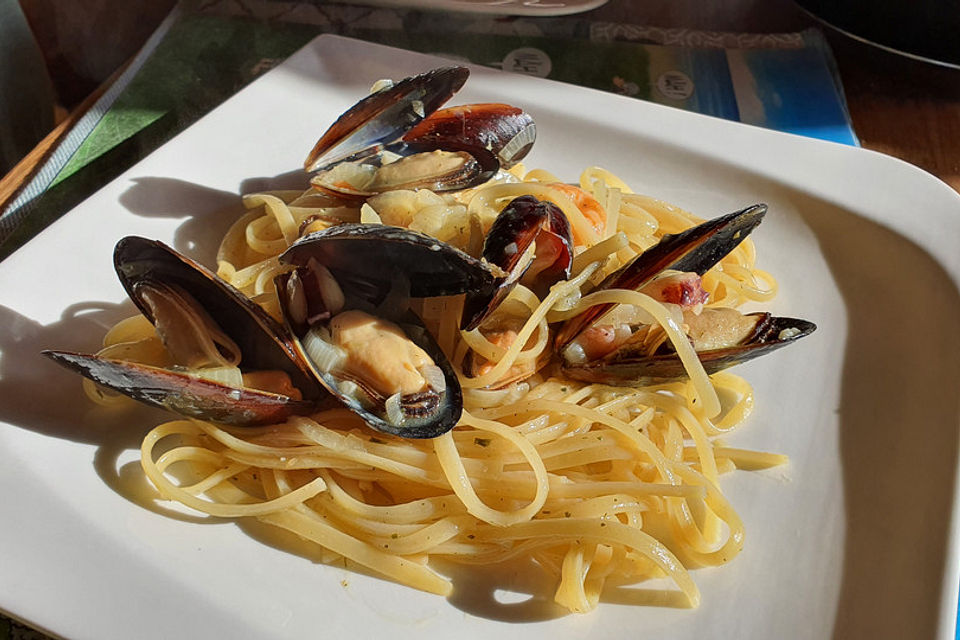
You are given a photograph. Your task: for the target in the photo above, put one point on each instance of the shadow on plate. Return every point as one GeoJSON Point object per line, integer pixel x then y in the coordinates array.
{"type": "Point", "coordinates": [210, 211]}
{"type": "Point", "coordinates": [899, 415]}
{"type": "Point", "coordinates": [42, 396]}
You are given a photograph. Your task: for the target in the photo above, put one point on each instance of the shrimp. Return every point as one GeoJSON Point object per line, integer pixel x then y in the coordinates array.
{"type": "Point", "coordinates": [590, 208]}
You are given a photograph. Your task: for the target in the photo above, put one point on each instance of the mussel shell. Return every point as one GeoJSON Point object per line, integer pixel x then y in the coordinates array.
{"type": "Point", "coordinates": [385, 116]}
{"type": "Point", "coordinates": [506, 131]}
{"type": "Point", "coordinates": [477, 165]}
{"type": "Point", "coordinates": [560, 235]}
{"type": "Point", "coordinates": [518, 225]}
{"type": "Point", "coordinates": [371, 258]}
{"type": "Point", "coordinates": [694, 250]}
{"type": "Point", "coordinates": [440, 419]}
{"type": "Point", "coordinates": [642, 371]}
{"type": "Point", "coordinates": [484, 165]}
{"type": "Point", "coordinates": [186, 395]}
{"type": "Point", "coordinates": [264, 343]}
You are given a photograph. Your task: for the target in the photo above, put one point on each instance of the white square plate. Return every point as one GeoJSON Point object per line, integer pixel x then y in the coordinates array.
{"type": "Point", "coordinates": [857, 537]}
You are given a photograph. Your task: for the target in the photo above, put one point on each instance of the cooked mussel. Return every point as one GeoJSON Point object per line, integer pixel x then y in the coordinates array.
{"type": "Point", "coordinates": [396, 139]}
{"type": "Point", "coordinates": [599, 346]}
{"type": "Point", "coordinates": [531, 241]}
{"type": "Point", "coordinates": [346, 305]}
{"type": "Point", "coordinates": [633, 365]}
{"type": "Point", "coordinates": [206, 326]}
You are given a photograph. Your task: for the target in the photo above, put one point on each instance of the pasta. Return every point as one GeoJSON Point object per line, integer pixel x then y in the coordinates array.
{"type": "Point", "coordinates": [600, 486]}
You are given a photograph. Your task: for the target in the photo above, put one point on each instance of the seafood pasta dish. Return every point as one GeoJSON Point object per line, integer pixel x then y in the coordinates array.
{"type": "Point", "coordinates": [434, 352]}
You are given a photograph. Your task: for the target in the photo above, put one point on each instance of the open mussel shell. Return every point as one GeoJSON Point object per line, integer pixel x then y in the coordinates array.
{"type": "Point", "coordinates": [694, 250]}
{"type": "Point", "coordinates": [396, 139]}
{"type": "Point", "coordinates": [453, 167]}
{"type": "Point", "coordinates": [377, 269]}
{"type": "Point", "coordinates": [263, 343]}
{"type": "Point", "coordinates": [184, 394]}
{"type": "Point", "coordinates": [385, 116]}
{"type": "Point", "coordinates": [425, 414]}
{"type": "Point", "coordinates": [771, 334]}
{"type": "Point", "coordinates": [372, 259]}
{"type": "Point", "coordinates": [525, 221]}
